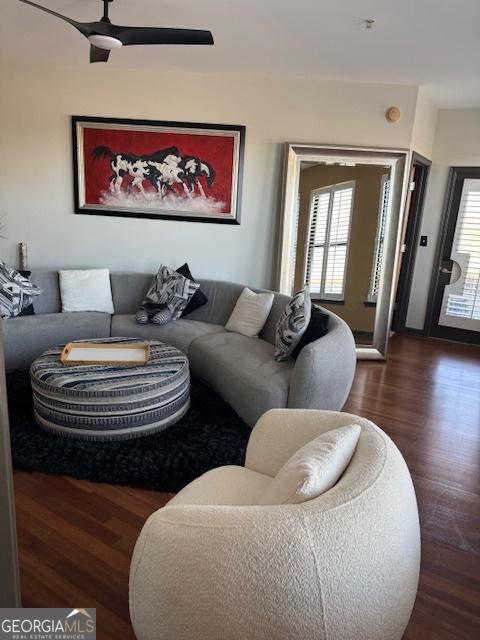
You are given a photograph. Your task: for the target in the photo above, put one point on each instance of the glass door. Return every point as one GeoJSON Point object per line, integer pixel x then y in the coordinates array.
{"type": "Point", "coordinates": [457, 294]}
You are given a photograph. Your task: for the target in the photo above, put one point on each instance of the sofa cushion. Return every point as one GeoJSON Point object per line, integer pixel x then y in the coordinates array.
{"type": "Point", "coordinates": [128, 290]}
{"type": "Point", "coordinates": [280, 300]}
{"type": "Point", "coordinates": [229, 485]}
{"type": "Point", "coordinates": [222, 297]}
{"type": "Point", "coordinates": [29, 336]}
{"type": "Point", "coordinates": [49, 300]}
{"type": "Point", "coordinates": [243, 371]}
{"type": "Point", "coordinates": [179, 333]}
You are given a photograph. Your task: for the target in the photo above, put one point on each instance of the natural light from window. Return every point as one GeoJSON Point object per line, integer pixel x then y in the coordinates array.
{"type": "Point", "coordinates": [467, 244]}
{"type": "Point", "coordinates": [330, 221]}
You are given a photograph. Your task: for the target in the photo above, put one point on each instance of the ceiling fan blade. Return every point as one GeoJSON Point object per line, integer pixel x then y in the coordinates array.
{"type": "Point", "coordinates": [83, 28]}
{"type": "Point", "coordinates": [160, 35]}
{"type": "Point", "coordinates": [98, 55]}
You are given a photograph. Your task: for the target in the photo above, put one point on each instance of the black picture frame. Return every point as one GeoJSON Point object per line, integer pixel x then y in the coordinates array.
{"type": "Point", "coordinates": [81, 206]}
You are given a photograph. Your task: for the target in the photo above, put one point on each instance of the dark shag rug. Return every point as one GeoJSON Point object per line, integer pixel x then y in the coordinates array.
{"type": "Point", "coordinates": [209, 435]}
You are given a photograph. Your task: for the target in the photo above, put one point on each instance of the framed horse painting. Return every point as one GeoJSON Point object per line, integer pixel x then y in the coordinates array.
{"type": "Point", "coordinates": [164, 170]}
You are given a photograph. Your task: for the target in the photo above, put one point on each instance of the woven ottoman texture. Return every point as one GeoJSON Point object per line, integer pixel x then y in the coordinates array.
{"type": "Point", "coordinates": [100, 402]}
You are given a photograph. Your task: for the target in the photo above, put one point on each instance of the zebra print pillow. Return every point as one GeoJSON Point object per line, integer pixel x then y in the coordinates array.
{"type": "Point", "coordinates": [16, 292]}
{"type": "Point", "coordinates": [292, 324]}
{"type": "Point", "coordinates": [172, 289]}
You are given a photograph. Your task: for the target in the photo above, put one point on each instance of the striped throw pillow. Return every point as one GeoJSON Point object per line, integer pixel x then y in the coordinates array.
{"type": "Point", "coordinates": [16, 292]}
{"type": "Point", "coordinates": [292, 324]}
{"type": "Point", "coordinates": [172, 289]}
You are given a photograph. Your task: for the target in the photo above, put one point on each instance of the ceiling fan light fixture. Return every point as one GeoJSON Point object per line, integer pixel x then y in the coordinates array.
{"type": "Point", "coordinates": [104, 36]}
{"type": "Point", "coordinates": [105, 42]}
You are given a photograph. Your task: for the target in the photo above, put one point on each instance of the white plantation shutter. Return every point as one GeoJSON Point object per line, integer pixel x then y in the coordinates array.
{"type": "Point", "coordinates": [319, 207]}
{"type": "Point", "coordinates": [379, 240]}
{"type": "Point", "coordinates": [330, 221]}
{"type": "Point", "coordinates": [464, 303]}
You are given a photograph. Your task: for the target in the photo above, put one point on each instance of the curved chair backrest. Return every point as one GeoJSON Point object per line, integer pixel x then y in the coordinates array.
{"type": "Point", "coordinates": [343, 566]}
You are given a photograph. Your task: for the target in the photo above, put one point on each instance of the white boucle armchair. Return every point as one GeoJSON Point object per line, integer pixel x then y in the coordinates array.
{"type": "Point", "coordinates": [212, 565]}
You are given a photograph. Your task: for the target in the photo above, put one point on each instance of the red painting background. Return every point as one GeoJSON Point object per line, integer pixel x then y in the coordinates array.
{"type": "Point", "coordinates": [214, 149]}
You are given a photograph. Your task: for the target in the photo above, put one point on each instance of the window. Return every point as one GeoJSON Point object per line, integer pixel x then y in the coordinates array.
{"type": "Point", "coordinates": [466, 245]}
{"type": "Point", "coordinates": [379, 240]}
{"type": "Point", "coordinates": [330, 221]}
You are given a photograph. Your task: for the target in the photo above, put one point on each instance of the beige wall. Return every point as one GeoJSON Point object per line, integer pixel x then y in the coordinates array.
{"type": "Point", "coordinates": [36, 199]}
{"type": "Point", "coordinates": [362, 236]}
{"type": "Point", "coordinates": [424, 125]}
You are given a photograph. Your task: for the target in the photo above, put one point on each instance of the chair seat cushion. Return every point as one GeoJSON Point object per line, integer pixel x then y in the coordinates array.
{"type": "Point", "coordinates": [243, 371]}
{"type": "Point", "coordinates": [179, 333]}
{"type": "Point", "coordinates": [230, 485]}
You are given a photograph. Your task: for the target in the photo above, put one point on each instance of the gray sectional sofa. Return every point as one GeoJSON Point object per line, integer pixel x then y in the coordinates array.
{"type": "Point", "coordinates": [242, 370]}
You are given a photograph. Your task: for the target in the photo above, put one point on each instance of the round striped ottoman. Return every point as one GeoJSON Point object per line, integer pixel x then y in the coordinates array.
{"type": "Point", "coordinates": [105, 402]}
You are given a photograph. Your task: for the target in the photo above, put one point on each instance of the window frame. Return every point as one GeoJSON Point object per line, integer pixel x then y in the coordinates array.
{"type": "Point", "coordinates": [338, 186]}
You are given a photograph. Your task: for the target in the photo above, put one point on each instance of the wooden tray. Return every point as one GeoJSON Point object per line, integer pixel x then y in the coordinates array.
{"type": "Point", "coordinates": [123, 354]}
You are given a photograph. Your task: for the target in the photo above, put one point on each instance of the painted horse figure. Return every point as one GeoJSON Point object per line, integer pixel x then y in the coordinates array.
{"type": "Point", "coordinates": [163, 170]}
{"type": "Point", "coordinates": [192, 170]}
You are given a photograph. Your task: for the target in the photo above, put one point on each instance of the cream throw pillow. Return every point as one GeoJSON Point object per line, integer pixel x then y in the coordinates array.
{"type": "Point", "coordinates": [250, 313]}
{"type": "Point", "coordinates": [86, 290]}
{"type": "Point", "coordinates": [314, 468]}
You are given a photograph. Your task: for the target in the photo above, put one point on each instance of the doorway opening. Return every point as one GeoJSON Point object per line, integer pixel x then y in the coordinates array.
{"type": "Point", "coordinates": [419, 171]}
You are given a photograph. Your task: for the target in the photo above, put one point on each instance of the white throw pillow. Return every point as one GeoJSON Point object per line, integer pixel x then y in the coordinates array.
{"type": "Point", "coordinates": [250, 313]}
{"type": "Point", "coordinates": [314, 468]}
{"type": "Point", "coordinates": [86, 290]}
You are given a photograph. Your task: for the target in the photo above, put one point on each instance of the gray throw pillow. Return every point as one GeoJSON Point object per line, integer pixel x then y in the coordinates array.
{"type": "Point", "coordinates": [16, 291]}
{"type": "Point", "coordinates": [292, 324]}
{"type": "Point", "coordinates": [172, 289]}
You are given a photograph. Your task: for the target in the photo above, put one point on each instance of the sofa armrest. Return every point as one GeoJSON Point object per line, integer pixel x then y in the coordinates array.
{"type": "Point", "coordinates": [324, 370]}
{"type": "Point", "coordinates": [281, 432]}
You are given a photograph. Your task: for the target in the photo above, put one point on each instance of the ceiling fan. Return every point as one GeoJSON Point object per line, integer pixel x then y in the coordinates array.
{"type": "Point", "coordinates": [105, 36]}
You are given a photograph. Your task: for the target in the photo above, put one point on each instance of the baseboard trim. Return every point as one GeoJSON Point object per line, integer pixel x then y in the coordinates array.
{"type": "Point", "coordinates": [410, 331]}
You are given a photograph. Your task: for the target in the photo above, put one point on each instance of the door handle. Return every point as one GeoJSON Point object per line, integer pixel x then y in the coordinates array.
{"type": "Point", "coordinates": [448, 270]}
{"type": "Point", "coordinates": [446, 261]}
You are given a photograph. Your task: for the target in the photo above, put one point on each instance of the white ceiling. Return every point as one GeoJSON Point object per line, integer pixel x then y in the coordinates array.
{"type": "Point", "coordinates": [434, 43]}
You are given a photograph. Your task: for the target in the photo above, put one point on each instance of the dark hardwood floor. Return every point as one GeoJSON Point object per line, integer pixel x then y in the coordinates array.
{"type": "Point", "coordinates": [76, 537]}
